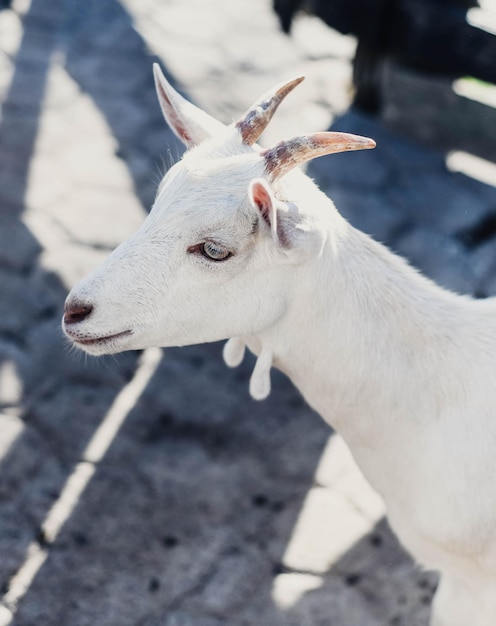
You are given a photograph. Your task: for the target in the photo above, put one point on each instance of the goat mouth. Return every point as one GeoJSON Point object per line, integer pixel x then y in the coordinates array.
{"type": "Point", "coordinates": [100, 341]}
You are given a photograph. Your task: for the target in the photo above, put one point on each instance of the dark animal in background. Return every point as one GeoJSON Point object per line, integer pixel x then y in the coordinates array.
{"type": "Point", "coordinates": [425, 35]}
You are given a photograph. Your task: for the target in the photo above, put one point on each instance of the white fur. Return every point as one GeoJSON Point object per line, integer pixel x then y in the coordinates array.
{"type": "Point", "coordinates": [403, 369]}
{"type": "Point", "coordinates": [234, 352]}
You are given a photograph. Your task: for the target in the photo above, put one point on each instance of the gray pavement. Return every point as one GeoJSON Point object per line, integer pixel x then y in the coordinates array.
{"type": "Point", "coordinates": [149, 489]}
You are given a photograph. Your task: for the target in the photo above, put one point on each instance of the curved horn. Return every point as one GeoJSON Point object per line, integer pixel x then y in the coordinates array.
{"type": "Point", "coordinates": [288, 154]}
{"type": "Point", "coordinates": [255, 120]}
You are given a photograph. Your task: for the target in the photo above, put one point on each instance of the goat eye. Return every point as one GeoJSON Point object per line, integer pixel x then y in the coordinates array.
{"type": "Point", "coordinates": [214, 252]}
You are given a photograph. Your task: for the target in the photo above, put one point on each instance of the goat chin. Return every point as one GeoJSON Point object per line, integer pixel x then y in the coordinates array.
{"type": "Point", "coordinates": [244, 246]}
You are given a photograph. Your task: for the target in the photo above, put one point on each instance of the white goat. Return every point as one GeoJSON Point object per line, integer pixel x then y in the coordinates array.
{"type": "Point", "coordinates": [239, 244]}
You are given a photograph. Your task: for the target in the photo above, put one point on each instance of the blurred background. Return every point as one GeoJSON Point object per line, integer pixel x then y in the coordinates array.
{"type": "Point", "coordinates": [149, 489]}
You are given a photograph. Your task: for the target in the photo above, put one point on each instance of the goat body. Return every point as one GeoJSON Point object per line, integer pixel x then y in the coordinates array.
{"type": "Point", "coordinates": [238, 245]}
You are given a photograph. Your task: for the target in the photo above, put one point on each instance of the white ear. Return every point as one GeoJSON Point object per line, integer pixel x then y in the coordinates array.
{"type": "Point", "coordinates": [288, 228]}
{"type": "Point", "coordinates": [264, 202]}
{"type": "Point", "coordinates": [189, 123]}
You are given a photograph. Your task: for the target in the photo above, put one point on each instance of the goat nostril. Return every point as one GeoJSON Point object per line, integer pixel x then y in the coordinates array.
{"type": "Point", "coordinates": [76, 312]}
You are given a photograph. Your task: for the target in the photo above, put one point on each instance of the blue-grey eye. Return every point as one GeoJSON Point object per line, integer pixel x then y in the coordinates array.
{"type": "Point", "coordinates": [214, 251]}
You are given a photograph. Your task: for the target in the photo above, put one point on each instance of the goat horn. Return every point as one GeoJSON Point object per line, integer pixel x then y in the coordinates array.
{"type": "Point", "coordinates": [255, 120]}
{"type": "Point", "coordinates": [288, 154]}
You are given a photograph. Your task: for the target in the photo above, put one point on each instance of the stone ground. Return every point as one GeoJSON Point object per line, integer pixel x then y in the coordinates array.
{"type": "Point", "coordinates": [150, 490]}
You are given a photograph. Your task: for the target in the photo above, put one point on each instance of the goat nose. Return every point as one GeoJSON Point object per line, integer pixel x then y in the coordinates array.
{"type": "Point", "coordinates": [76, 312]}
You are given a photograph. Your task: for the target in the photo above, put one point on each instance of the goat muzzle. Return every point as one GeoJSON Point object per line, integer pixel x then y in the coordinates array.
{"type": "Point", "coordinates": [75, 312]}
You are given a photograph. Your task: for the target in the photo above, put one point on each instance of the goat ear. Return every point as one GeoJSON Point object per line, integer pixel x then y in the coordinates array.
{"type": "Point", "coordinates": [263, 200]}
{"type": "Point", "coordinates": [190, 124]}
{"type": "Point", "coordinates": [288, 228]}
{"type": "Point", "coordinates": [265, 203]}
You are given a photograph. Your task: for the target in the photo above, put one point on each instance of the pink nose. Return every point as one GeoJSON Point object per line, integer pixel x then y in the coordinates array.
{"type": "Point", "coordinates": [75, 312]}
